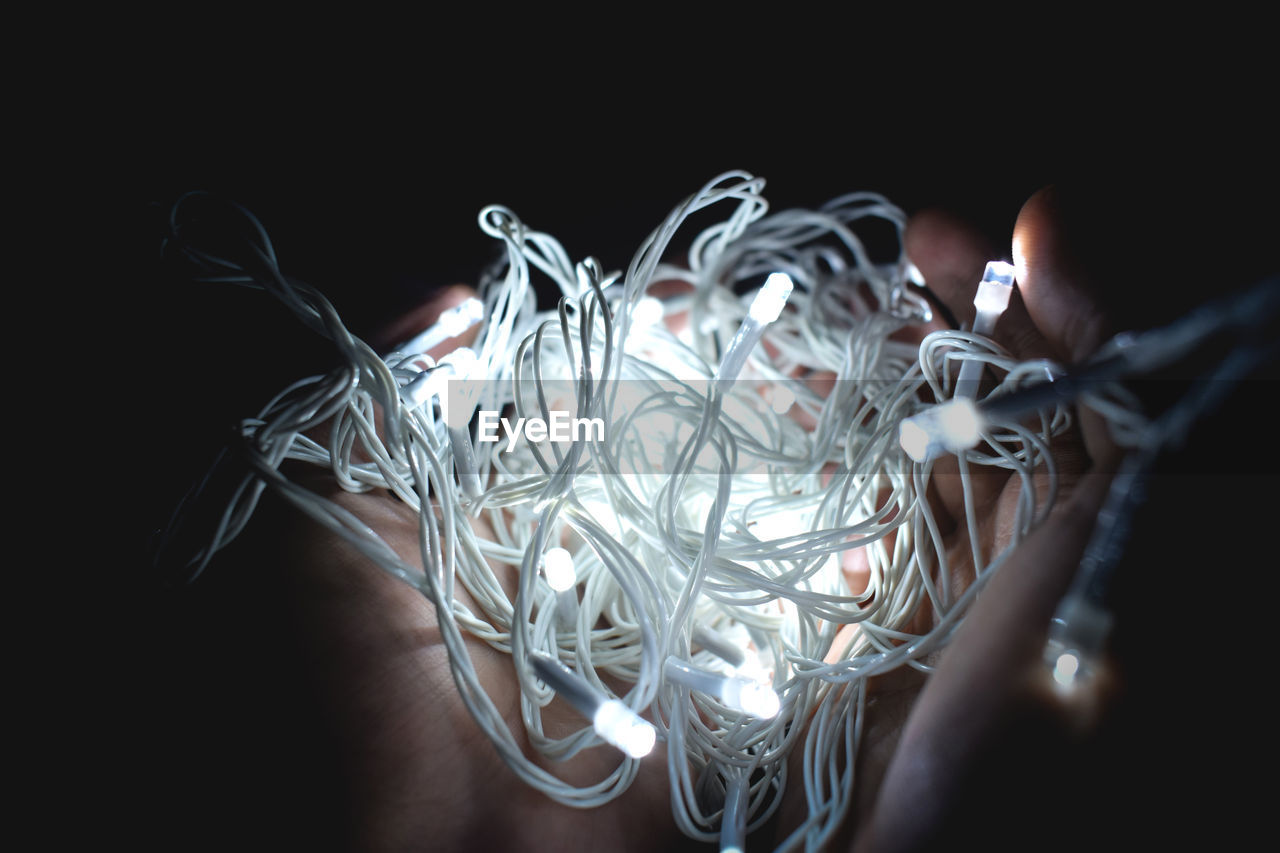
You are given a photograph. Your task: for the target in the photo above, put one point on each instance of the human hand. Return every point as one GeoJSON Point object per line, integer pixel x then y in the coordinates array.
{"type": "Point", "coordinates": [416, 765]}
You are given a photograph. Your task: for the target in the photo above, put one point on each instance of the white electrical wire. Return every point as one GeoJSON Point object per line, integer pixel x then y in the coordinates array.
{"type": "Point", "coordinates": [706, 528]}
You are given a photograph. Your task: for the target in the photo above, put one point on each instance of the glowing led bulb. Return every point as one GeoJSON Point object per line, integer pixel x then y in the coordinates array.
{"type": "Point", "coordinates": [749, 697]}
{"type": "Point", "coordinates": [624, 728]}
{"type": "Point", "coordinates": [765, 308]}
{"type": "Point", "coordinates": [1065, 669]}
{"type": "Point", "coordinates": [994, 291]}
{"type": "Point", "coordinates": [557, 565]}
{"type": "Point", "coordinates": [648, 312]}
{"type": "Point", "coordinates": [616, 723]}
{"type": "Point", "coordinates": [948, 427]}
{"type": "Point", "coordinates": [990, 301]}
{"type": "Point", "coordinates": [769, 302]}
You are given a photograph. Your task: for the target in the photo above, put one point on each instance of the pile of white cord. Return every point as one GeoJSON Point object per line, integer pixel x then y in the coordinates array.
{"type": "Point", "coordinates": [734, 475]}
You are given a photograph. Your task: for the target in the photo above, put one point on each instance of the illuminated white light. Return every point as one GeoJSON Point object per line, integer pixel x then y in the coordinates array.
{"type": "Point", "coordinates": [769, 302]}
{"type": "Point", "coordinates": [623, 728]}
{"type": "Point", "coordinates": [751, 697]}
{"type": "Point", "coordinates": [463, 360]}
{"type": "Point", "coordinates": [961, 424]}
{"type": "Point", "coordinates": [461, 317]}
{"type": "Point", "coordinates": [648, 312]}
{"type": "Point", "coordinates": [914, 439]}
{"type": "Point", "coordinates": [1002, 272]}
{"type": "Point", "coordinates": [557, 565]}
{"type": "Point", "coordinates": [995, 288]}
{"type": "Point", "coordinates": [1065, 669]}
{"type": "Point", "coordinates": [913, 274]}
{"type": "Point", "coordinates": [948, 427]}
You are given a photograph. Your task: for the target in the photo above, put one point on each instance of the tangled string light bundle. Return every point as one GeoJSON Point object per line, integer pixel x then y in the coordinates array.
{"type": "Point", "coordinates": [713, 508]}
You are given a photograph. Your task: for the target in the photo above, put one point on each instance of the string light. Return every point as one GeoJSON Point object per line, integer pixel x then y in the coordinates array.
{"type": "Point", "coordinates": [701, 531]}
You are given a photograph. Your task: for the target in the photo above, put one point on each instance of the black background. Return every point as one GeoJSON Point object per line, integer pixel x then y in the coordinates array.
{"type": "Point", "coordinates": [370, 192]}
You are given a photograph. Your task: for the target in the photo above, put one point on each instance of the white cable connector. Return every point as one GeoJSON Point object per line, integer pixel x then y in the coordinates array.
{"type": "Point", "coordinates": [741, 694]}
{"type": "Point", "coordinates": [765, 309]}
{"type": "Point", "coordinates": [733, 822]}
{"type": "Point", "coordinates": [616, 723]}
{"type": "Point", "coordinates": [991, 301]}
{"type": "Point", "coordinates": [459, 365]}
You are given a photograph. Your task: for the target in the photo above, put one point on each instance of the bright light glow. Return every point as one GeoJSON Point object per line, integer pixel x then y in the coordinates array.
{"type": "Point", "coordinates": [1000, 272]}
{"type": "Point", "coordinates": [557, 565]}
{"type": "Point", "coordinates": [995, 288]}
{"type": "Point", "coordinates": [951, 427]}
{"type": "Point", "coordinates": [741, 694]}
{"type": "Point", "coordinates": [1065, 669]}
{"type": "Point", "coordinates": [751, 697]}
{"type": "Point", "coordinates": [914, 439]}
{"type": "Point", "coordinates": [623, 728]}
{"type": "Point", "coordinates": [961, 424]}
{"type": "Point", "coordinates": [769, 302]}
{"type": "Point", "coordinates": [461, 317]}
{"type": "Point", "coordinates": [463, 360]}
{"type": "Point", "coordinates": [648, 312]}
{"type": "Point", "coordinates": [913, 274]}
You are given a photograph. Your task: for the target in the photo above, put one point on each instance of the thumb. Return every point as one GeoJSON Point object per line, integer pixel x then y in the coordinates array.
{"type": "Point", "coordinates": [1061, 292]}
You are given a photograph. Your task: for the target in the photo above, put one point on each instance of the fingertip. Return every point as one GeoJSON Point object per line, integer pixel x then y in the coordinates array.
{"type": "Point", "coordinates": [1058, 294]}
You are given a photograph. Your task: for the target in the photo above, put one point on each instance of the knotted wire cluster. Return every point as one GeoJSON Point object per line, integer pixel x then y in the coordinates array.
{"type": "Point", "coordinates": [740, 517]}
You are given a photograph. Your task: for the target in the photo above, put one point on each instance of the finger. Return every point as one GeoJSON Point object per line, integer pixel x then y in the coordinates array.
{"type": "Point", "coordinates": [1064, 293]}
{"type": "Point", "coordinates": [1060, 294]}
{"type": "Point", "coordinates": [952, 256]}
{"type": "Point", "coordinates": [990, 684]}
